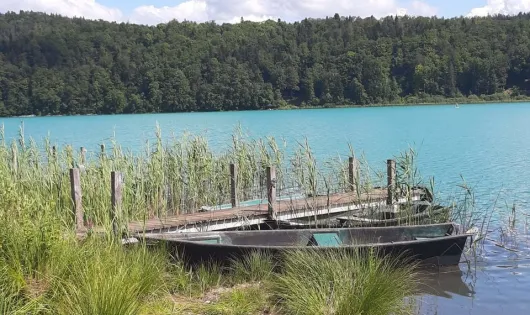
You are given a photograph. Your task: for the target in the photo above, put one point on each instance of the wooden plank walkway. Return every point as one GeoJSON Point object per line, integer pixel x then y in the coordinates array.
{"type": "Point", "coordinates": [256, 214]}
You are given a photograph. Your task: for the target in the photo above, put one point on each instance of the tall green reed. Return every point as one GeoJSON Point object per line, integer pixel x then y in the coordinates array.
{"type": "Point", "coordinates": [177, 176]}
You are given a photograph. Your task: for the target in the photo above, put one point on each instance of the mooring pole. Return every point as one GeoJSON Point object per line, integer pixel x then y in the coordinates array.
{"type": "Point", "coordinates": [271, 192]}
{"type": "Point", "coordinates": [116, 180]}
{"type": "Point", "coordinates": [15, 160]}
{"type": "Point", "coordinates": [102, 154]}
{"type": "Point", "coordinates": [352, 173]}
{"type": "Point", "coordinates": [391, 181]}
{"type": "Point", "coordinates": [233, 185]}
{"type": "Point", "coordinates": [82, 152]}
{"type": "Point", "coordinates": [77, 196]}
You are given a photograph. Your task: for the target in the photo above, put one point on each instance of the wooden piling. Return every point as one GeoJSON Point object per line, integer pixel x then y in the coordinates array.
{"type": "Point", "coordinates": [70, 156]}
{"type": "Point", "coordinates": [391, 181]}
{"type": "Point", "coordinates": [271, 192]}
{"type": "Point", "coordinates": [15, 160]}
{"type": "Point", "coordinates": [116, 180]}
{"type": "Point", "coordinates": [233, 185]}
{"type": "Point", "coordinates": [82, 153]}
{"type": "Point", "coordinates": [352, 173]}
{"type": "Point", "coordinates": [76, 194]}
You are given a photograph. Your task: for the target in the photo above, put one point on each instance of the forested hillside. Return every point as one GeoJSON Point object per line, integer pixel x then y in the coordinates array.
{"type": "Point", "coordinates": [55, 65]}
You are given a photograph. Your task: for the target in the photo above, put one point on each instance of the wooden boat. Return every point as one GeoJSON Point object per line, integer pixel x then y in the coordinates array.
{"type": "Point", "coordinates": [438, 244]}
{"type": "Point", "coordinates": [416, 213]}
{"type": "Point", "coordinates": [290, 225]}
{"type": "Point", "coordinates": [427, 215]}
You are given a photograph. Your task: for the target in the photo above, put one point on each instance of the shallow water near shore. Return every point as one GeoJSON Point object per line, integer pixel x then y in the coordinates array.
{"type": "Point", "coordinates": [487, 145]}
{"type": "Point", "coordinates": [496, 283]}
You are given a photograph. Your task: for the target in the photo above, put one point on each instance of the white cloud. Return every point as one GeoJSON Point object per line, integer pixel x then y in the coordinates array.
{"type": "Point", "coordinates": [89, 9]}
{"type": "Point", "coordinates": [189, 10]}
{"type": "Point", "coordinates": [421, 8]}
{"type": "Point", "coordinates": [230, 11]}
{"type": "Point", "coordinates": [501, 7]}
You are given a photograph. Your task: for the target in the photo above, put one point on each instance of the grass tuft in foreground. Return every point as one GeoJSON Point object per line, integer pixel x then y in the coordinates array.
{"type": "Point", "coordinates": [339, 283]}
{"type": "Point", "coordinates": [108, 279]}
{"type": "Point", "coordinates": [255, 267]}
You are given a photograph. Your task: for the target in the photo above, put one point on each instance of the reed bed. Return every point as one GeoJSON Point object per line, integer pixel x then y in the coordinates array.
{"type": "Point", "coordinates": [178, 176]}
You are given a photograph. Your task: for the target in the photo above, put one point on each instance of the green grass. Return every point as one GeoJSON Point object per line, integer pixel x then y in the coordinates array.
{"type": "Point", "coordinates": [248, 300]}
{"type": "Point", "coordinates": [109, 279]}
{"type": "Point", "coordinates": [334, 282]}
{"type": "Point", "coordinates": [207, 277]}
{"type": "Point", "coordinates": [254, 267]}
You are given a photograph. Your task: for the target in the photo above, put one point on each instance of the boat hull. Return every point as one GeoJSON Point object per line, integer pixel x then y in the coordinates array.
{"type": "Point", "coordinates": [442, 250]}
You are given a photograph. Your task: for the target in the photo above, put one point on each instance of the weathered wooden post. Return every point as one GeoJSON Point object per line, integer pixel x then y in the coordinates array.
{"type": "Point", "coordinates": [271, 191]}
{"type": "Point", "coordinates": [15, 160]}
{"type": "Point", "coordinates": [391, 181]}
{"type": "Point", "coordinates": [82, 153]}
{"type": "Point", "coordinates": [76, 193]}
{"type": "Point", "coordinates": [116, 181]}
{"type": "Point", "coordinates": [233, 185]}
{"type": "Point", "coordinates": [70, 156]}
{"type": "Point", "coordinates": [352, 173]}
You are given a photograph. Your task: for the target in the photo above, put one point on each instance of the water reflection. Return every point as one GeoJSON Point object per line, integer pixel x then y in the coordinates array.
{"type": "Point", "coordinates": [445, 282]}
{"type": "Point", "coordinates": [496, 282]}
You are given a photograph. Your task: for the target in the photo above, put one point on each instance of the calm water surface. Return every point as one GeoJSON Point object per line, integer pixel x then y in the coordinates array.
{"type": "Point", "coordinates": [488, 145]}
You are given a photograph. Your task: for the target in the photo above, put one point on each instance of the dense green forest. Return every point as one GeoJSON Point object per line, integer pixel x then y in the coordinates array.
{"type": "Point", "coordinates": [55, 65]}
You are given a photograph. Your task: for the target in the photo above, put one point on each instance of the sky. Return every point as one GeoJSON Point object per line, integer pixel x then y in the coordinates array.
{"type": "Point", "coordinates": [152, 12]}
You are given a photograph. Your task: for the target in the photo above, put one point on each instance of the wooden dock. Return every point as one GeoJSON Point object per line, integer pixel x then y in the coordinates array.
{"type": "Point", "coordinates": [334, 205]}
{"type": "Point", "coordinates": [312, 209]}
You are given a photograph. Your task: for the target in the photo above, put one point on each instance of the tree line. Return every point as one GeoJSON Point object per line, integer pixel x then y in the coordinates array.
{"type": "Point", "coordinates": [51, 65]}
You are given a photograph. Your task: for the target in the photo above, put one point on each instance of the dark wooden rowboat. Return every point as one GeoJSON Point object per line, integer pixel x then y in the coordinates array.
{"type": "Point", "coordinates": [438, 244]}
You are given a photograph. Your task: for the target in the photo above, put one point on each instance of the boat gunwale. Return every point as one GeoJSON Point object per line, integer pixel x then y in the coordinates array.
{"type": "Point", "coordinates": [387, 244]}
{"type": "Point", "coordinates": [315, 229]}
{"type": "Point", "coordinates": [160, 237]}
{"type": "Point", "coordinates": [420, 215]}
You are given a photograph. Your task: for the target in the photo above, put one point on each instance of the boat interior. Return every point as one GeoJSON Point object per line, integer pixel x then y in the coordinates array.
{"type": "Point", "coordinates": [315, 237]}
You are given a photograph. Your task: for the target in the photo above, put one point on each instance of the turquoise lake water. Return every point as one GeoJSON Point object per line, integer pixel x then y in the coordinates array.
{"type": "Point", "coordinates": [488, 145]}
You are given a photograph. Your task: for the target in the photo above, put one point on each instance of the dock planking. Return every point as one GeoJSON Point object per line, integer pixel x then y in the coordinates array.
{"type": "Point", "coordinates": [314, 208]}
{"type": "Point", "coordinates": [256, 214]}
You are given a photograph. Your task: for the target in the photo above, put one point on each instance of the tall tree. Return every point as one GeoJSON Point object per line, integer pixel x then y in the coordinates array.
{"type": "Point", "coordinates": [55, 65]}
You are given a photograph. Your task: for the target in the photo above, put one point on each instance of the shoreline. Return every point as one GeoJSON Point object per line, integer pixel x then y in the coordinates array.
{"type": "Point", "coordinates": [474, 102]}
{"type": "Point", "coordinates": [294, 107]}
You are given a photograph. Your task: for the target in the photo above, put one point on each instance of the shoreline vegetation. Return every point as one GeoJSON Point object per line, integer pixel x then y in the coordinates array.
{"type": "Point", "coordinates": [53, 65]}
{"type": "Point", "coordinates": [46, 269]}
{"type": "Point", "coordinates": [448, 102]}
{"type": "Point", "coordinates": [445, 102]}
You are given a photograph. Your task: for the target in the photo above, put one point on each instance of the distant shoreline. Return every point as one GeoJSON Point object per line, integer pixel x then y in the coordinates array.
{"type": "Point", "coordinates": [294, 107]}
{"type": "Point", "coordinates": [470, 102]}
